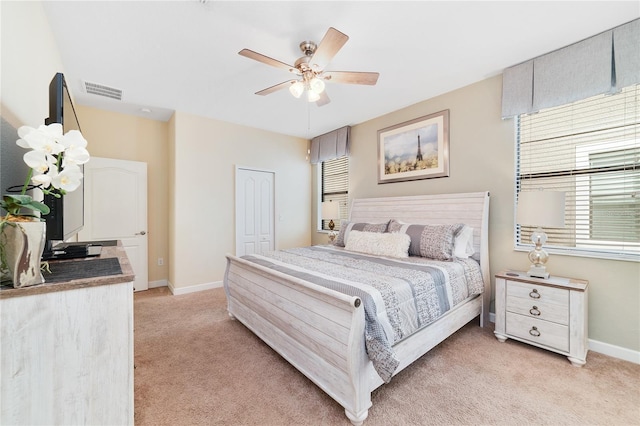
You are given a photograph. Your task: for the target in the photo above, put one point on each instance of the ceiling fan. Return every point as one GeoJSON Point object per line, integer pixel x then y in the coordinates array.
{"type": "Point", "coordinates": [310, 69]}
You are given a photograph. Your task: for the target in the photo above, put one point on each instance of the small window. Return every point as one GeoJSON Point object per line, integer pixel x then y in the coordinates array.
{"type": "Point", "coordinates": [335, 187]}
{"type": "Point", "coordinates": [590, 150]}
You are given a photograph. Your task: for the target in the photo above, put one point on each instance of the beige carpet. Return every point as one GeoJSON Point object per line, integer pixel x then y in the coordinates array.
{"type": "Point", "coordinates": [196, 366]}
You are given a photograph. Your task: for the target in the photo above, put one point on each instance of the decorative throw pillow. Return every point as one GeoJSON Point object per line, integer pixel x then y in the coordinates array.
{"type": "Point", "coordinates": [431, 241]}
{"type": "Point", "coordinates": [379, 244]}
{"type": "Point", "coordinates": [346, 227]}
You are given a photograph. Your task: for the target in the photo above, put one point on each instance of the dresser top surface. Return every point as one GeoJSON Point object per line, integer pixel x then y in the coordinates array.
{"type": "Point", "coordinates": [94, 276]}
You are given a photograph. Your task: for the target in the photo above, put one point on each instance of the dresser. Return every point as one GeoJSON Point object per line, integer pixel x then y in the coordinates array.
{"type": "Point", "coordinates": [548, 313]}
{"type": "Point", "coordinates": [66, 356]}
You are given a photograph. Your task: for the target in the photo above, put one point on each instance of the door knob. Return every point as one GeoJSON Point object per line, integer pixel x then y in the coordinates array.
{"type": "Point", "coordinates": [141, 233]}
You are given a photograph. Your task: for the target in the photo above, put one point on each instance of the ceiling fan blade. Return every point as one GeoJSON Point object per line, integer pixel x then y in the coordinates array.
{"type": "Point", "coordinates": [351, 77]}
{"type": "Point", "coordinates": [275, 88]}
{"type": "Point", "coordinates": [265, 59]}
{"type": "Point", "coordinates": [324, 99]}
{"type": "Point", "coordinates": [330, 44]}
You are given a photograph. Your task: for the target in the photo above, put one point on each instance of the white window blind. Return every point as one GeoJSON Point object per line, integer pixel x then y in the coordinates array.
{"type": "Point", "coordinates": [335, 186]}
{"type": "Point", "coordinates": [590, 149]}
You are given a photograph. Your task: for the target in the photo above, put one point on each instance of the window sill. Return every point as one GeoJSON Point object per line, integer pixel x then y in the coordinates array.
{"type": "Point", "coordinates": [628, 257]}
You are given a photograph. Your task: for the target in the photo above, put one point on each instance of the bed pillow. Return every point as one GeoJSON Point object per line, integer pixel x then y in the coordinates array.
{"type": "Point", "coordinates": [463, 243]}
{"type": "Point", "coordinates": [431, 241]}
{"type": "Point", "coordinates": [379, 244]}
{"type": "Point", "coordinates": [346, 227]}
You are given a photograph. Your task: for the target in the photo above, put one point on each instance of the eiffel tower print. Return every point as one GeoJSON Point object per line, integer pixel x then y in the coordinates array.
{"type": "Point", "coordinates": [419, 155]}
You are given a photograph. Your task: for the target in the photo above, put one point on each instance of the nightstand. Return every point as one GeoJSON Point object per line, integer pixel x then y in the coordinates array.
{"type": "Point", "coordinates": [548, 313]}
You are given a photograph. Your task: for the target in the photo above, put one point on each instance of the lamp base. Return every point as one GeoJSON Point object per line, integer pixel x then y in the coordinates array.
{"type": "Point", "coordinates": [538, 272]}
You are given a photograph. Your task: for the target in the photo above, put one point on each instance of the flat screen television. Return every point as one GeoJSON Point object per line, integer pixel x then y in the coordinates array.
{"type": "Point", "coordinates": [66, 217]}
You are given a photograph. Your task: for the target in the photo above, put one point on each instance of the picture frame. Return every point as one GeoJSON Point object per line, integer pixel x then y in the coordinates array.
{"type": "Point", "coordinates": [415, 149]}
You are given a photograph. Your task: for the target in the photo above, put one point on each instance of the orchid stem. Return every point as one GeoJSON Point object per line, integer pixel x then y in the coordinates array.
{"type": "Point", "coordinates": [26, 183]}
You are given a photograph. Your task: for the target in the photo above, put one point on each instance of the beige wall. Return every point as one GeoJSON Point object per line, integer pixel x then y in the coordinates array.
{"type": "Point", "coordinates": [195, 158]}
{"type": "Point", "coordinates": [126, 137]}
{"type": "Point", "coordinates": [482, 158]}
{"type": "Point", "coordinates": [202, 226]}
{"type": "Point", "coordinates": [30, 59]}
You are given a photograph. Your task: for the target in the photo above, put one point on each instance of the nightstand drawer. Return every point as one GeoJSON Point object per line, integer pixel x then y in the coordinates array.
{"type": "Point", "coordinates": [538, 331]}
{"type": "Point", "coordinates": [538, 301]}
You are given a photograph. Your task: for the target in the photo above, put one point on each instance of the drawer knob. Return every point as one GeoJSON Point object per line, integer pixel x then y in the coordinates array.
{"type": "Point", "coordinates": [534, 311]}
{"type": "Point", "coordinates": [534, 294]}
{"type": "Point", "coordinates": [534, 331]}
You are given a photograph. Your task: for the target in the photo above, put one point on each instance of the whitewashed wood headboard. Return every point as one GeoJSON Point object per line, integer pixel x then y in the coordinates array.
{"type": "Point", "coordinates": [471, 208]}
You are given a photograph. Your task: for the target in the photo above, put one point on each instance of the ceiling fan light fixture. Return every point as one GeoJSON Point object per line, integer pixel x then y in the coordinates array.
{"type": "Point", "coordinates": [312, 96]}
{"type": "Point", "coordinates": [310, 68]}
{"type": "Point", "coordinates": [316, 85]}
{"type": "Point", "coordinates": [296, 89]}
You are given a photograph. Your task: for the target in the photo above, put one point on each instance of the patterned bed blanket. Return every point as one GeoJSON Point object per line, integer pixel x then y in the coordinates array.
{"type": "Point", "coordinates": [400, 296]}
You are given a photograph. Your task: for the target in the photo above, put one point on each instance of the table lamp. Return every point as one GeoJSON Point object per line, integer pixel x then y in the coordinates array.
{"type": "Point", "coordinates": [540, 209]}
{"type": "Point", "coordinates": [330, 211]}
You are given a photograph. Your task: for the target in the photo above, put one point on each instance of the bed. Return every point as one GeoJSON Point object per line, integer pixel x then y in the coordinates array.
{"type": "Point", "coordinates": [325, 333]}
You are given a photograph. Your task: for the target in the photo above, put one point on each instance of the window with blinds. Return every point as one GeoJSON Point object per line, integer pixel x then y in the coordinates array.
{"type": "Point", "coordinates": [335, 187]}
{"type": "Point", "coordinates": [589, 149]}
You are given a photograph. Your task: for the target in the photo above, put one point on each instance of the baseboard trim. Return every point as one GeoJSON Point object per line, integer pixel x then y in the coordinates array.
{"type": "Point", "coordinates": [194, 288]}
{"type": "Point", "coordinates": [614, 351]}
{"type": "Point", "coordinates": [603, 348]}
{"type": "Point", "coordinates": [159, 283]}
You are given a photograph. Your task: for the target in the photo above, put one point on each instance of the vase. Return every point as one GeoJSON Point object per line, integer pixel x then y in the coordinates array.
{"type": "Point", "coordinates": [23, 244]}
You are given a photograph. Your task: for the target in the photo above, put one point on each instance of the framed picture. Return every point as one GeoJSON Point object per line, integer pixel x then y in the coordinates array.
{"type": "Point", "coordinates": [416, 149]}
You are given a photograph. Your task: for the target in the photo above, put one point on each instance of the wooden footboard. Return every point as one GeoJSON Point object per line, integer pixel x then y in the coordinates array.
{"type": "Point", "coordinates": [318, 330]}
{"type": "Point", "coordinates": [321, 332]}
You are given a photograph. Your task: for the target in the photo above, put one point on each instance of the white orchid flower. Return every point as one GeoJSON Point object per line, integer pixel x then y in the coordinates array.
{"type": "Point", "coordinates": [47, 179]}
{"type": "Point", "coordinates": [68, 179]}
{"type": "Point", "coordinates": [39, 161]}
{"type": "Point", "coordinates": [73, 139]}
{"type": "Point", "coordinates": [54, 157]}
{"type": "Point", "coordinates": [24, 131]}
{"type": "Point", "coordinates": [44, 138]}
{"type": "Point", "coordinates": [75, 148]}
{"type": "Point", "coordinates": [44, 165]}
{"type": "Point", "coordinates": [43, 180]}
{"type": "Point", "coordinates": [75, 156]}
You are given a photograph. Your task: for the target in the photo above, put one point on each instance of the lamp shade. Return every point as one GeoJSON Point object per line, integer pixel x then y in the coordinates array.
{"type": "Point", "coordinates": [541, 208]}
{"type": "Point", "coordinates": [316, 85]}
{"type": "Point", "coordinates": [296, 89]}
{"type": "Point", "coordinates": [312, 96]}
{"type": "Point", "coordinates": [330, 210]}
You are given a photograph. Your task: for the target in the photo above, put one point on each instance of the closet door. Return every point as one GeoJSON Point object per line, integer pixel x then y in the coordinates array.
{"type": "Point", "coordinates": [254, 211]}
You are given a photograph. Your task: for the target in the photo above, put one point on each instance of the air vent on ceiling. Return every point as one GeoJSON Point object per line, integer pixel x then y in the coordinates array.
{"type": "Point", "coordinates": [102, 90]}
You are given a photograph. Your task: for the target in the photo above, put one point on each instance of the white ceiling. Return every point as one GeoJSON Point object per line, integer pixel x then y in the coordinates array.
{"type": "Point", "coordinates": [183, 55]}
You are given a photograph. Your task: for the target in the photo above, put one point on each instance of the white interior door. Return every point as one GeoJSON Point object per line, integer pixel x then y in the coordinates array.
{"type": "Point", "coordinates": [254, 211]}
{"type": "Point", "coordinates": [115, 208]}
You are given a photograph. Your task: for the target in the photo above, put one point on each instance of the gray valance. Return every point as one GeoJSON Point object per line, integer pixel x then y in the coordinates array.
{"type": "Point", "coordinates": [331, 145]}
{"type": "Point", "coordinates": [604, 63]}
